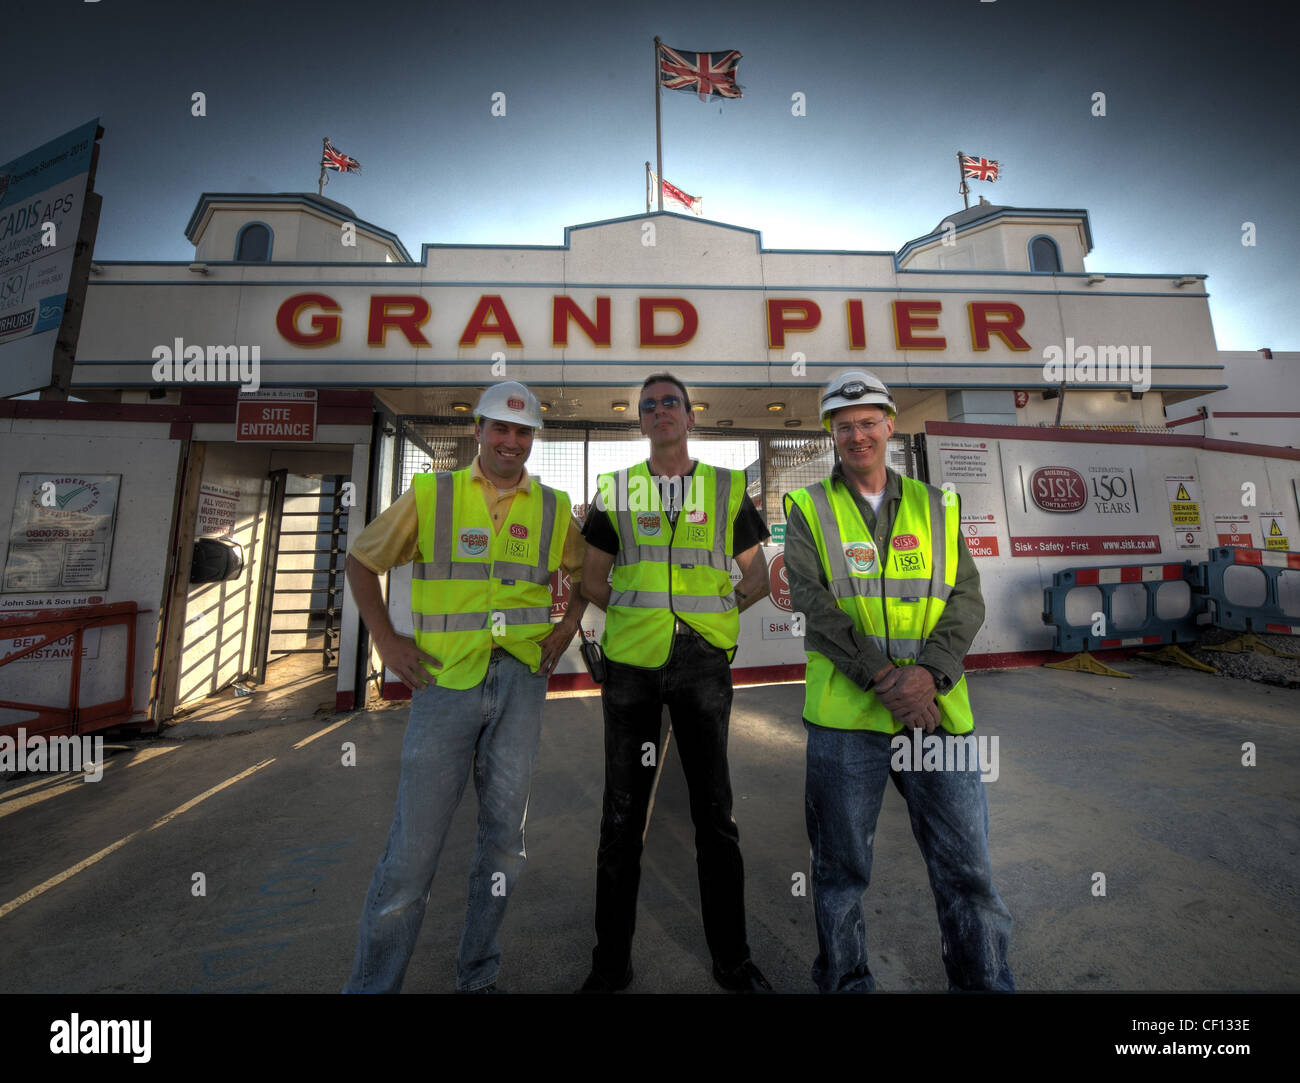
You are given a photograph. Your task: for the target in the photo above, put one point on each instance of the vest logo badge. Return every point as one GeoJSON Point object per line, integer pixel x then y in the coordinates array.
{"type": "Point", "coordinates": [518, 530]}
{"type": "Point", "coordinates": [860, 555]}
{"type": "Point", "coordinates": [473, 543]}
{"type": "Point", "coordinates": [909, 562]}
{"type": "Point", "coordinates": [518, 550]}
{"type": "Point", "coordinates": [648, 524]}
{"type": "Point", "coordinates": [698, 515]}
{"type": "Point", "coordinates": [904, 542]}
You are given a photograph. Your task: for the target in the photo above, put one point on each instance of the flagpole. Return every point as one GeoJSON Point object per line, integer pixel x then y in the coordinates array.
{"type": "Point", "coordinates": [659, 141]}
{"type": "Point", "coordinates": [320, 184]}
{"type": "Point", "coordinates": [647, 187]}
{"type": "Point", "coordinates": [965, 188]}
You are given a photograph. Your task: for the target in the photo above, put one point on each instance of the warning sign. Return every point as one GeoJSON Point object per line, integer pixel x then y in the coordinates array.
{"type": "Point", "coordinates": [1272, 525]}
{"type": "Point", "coordinates": [1184, 501]}
{"type": "Point", "coordinates": [981, 534]}
{"type": "Point", "coordinates": [1233, 530]}
{"type": "Point", "coordinates": [1184, 510]}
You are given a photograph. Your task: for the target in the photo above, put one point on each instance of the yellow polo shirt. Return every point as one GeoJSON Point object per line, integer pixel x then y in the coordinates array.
{"type": "Point", "coordinates": [393, 536]}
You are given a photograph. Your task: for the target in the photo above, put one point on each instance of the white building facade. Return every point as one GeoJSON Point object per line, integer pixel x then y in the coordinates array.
{"type": "Point", "coordinates": [361, 365]}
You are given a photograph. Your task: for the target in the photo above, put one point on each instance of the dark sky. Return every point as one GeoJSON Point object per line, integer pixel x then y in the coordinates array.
{"type": "Point", "coordinates": [1199, 136]}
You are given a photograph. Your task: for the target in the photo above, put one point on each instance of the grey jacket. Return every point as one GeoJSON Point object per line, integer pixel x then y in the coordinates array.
{"type": "Point", "coordinates": [831, 632]}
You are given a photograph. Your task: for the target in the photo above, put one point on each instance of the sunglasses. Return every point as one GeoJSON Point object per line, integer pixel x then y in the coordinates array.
{"type": "Point", "coordinates": [648, 406]}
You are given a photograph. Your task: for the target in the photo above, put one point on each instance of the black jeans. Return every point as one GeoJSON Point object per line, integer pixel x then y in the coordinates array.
{"type": "Point", "coordinates": [695, 684]}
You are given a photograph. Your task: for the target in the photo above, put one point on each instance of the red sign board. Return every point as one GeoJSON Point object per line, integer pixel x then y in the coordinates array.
{"type": "Point", "coordinates": [779, 583]}
{"type": "Point", "coordinates": [260, 421]}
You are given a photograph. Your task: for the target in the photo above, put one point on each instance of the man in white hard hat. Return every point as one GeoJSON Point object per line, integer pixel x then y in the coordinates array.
{"type": "Point", "coordinates": [669, 528]}
{"type": "Point", "coordinates": [485, 541]}
{"type": "Point", "coordinates": [891, 601]}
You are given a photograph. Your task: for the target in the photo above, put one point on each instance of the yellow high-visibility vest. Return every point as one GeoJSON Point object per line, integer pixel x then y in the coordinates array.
{"type": "Point", "coordinates": [663, 572]}
{"type": "Point", "coordinates": [471, 589]}
{"type": "Point", "coordinates": [895, 598]}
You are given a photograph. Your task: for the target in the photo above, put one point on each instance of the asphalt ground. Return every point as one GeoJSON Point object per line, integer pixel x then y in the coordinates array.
{"type": "Point", "coordinates": [1141, 781]}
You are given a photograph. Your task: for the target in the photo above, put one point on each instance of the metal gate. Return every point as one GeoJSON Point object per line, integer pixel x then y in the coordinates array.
{"type": "Point", "coordinates": [301, 607]}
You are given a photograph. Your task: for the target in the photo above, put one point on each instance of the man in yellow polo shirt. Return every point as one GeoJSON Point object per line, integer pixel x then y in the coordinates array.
{"type": "Point", "coordinates": [485, 542]}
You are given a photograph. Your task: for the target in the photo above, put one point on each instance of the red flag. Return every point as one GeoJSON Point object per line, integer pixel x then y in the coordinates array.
{"type": "Point", "coordinates": [694, 204]}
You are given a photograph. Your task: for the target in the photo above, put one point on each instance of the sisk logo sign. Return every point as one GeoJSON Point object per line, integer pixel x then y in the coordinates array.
{"type": "Point", "coordinates": [1058, 489]}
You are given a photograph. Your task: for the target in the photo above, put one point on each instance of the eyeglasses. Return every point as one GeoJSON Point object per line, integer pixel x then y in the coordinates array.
{"type": "Point", "coordinates": [847, 428]}
{"type": "Point", "coordinates": [649, 406]}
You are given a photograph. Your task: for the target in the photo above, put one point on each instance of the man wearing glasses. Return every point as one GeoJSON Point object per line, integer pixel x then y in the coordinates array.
{"type": "Point", "coordinates": [670, 528]}
{"type": "Point", "coordinates": [891, 601]}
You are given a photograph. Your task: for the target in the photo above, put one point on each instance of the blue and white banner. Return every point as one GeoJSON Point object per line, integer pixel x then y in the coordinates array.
{"type": "Point", "coordinates": [42, 194]}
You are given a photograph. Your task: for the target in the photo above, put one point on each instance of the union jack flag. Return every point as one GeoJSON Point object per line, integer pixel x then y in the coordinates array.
{"type": "Point", "coordinates": [707, 74]}
{"type": "Point", "coordinates": [335, 159]}
{"type": "Point", "coordinates": [979, 168]}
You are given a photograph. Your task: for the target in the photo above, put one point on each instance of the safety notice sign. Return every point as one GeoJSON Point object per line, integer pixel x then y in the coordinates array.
{"type": "Point", "coordinates": [1272, 525]}
{"type": "Point", "coordinates": [981, 534]}
{"type": "Point", "coordinates": [1233, 530]}
{"type": "Point", "coordinates": [1184, 510]}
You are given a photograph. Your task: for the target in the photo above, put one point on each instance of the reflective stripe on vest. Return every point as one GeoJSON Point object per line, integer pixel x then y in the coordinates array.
{"type": "Point", "coordinates": [473, 589]}
{"type": "Point", "coordinates": [663, 570]}
{"type": "Point", "coordinates": [895, 599]}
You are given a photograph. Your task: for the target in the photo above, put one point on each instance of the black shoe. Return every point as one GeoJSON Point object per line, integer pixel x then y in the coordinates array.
{"type": "Point", "coordinates": [598, 983]}
{"type": "Point", "coordinates": [482, 989]}
{"type": "Point", "coordinates": [745, 978]}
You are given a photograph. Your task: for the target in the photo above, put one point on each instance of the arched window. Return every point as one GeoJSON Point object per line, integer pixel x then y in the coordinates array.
{"type": "Point", "coordinates": [1044, 255]}
{"type": "Point", "coordinates": [254, 244]}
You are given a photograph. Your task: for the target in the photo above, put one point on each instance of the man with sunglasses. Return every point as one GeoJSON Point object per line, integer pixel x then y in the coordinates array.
{"type": "Point", "coordinates": [669, 528]}
{"type": "Point", "coordinates": [891, 601]}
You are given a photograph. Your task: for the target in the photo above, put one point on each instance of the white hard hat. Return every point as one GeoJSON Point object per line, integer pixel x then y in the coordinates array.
{"type": "Point", "coordinates": [510, 401]}
{"type": "Point", "coordinates": [855, 388]}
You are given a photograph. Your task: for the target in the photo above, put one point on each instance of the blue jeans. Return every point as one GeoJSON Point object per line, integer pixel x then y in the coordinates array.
{"type": "Point", "coordinates": [493, 727]}
{"type": "Point", "coordinates": [847, 772]}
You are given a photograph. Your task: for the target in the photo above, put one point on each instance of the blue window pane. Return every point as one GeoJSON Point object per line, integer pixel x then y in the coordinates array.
{"type": "Point", "coordinates": [254, 244]}
{"type": "Point", "coordinates": [1043, 255]}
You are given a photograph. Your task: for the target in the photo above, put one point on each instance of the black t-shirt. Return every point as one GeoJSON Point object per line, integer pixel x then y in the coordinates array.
{"type": "Point", "coordinates": [748, 529]}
